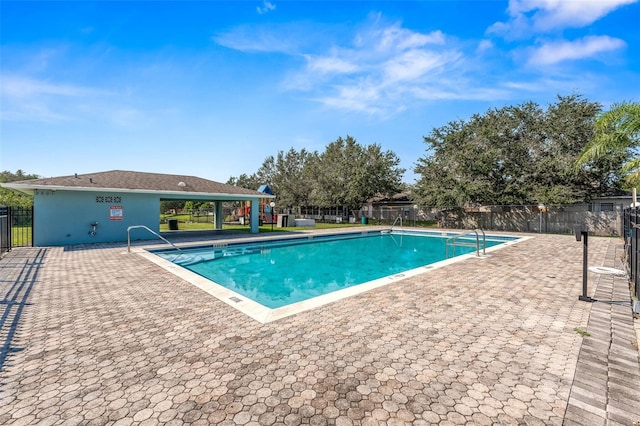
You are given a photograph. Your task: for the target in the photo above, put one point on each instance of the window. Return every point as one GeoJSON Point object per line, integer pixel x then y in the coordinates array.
{"type": "Point", "coordinates": [606, 207]}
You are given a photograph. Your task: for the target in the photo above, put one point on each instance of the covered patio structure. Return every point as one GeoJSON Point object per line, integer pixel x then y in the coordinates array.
{"type": "Point", "coordinates": [100, 207]}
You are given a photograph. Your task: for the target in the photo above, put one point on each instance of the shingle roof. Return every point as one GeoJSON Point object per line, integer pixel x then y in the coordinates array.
{"type": "Point", "coordinates": [135, 181]}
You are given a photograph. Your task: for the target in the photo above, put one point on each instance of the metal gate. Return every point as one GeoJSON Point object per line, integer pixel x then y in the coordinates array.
{"type": "Point", "coordinates": [631, 225]}
{"type": "Point", "coordinates": [5, 231]}
{"type": "Point", "coordinates": [16, 227]}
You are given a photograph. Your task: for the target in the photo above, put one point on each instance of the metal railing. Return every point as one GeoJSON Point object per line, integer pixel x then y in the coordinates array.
{"type": "Point", "coordinates": [16, 227]}
{"type": "Point", "coordinates": [631, 230]}
{"type": "Point", "coordinates": [396, 221]}
{"type": "Point", "coordinates": [455, 241]}
{"type": "Point", "coordinates": [153, 232]}
{"type": "Point", "coordinates": [5, 232]}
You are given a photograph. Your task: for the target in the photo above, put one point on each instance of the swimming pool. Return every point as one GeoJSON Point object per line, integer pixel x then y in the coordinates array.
{"type": "Point", "coordinates": [280, 274]}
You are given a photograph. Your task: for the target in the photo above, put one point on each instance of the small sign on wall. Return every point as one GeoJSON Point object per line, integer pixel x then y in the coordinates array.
{"type": "Point", "coordinates": [116, 213]}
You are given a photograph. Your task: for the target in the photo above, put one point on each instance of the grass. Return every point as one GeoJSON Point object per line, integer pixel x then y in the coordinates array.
{"type": "Point", "coordinates": [187, 226]}
{"type": "Point", "coordinates": [582, 332]}
{"type": "Point", "coordinates": [181, 217]}
{"type": "Point", "coordinates": [185, 223]}
{"type": "Point", "coordinates": [21, 236]}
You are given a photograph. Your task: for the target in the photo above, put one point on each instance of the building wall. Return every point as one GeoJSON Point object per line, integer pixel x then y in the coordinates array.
{"type": "Point", "coordinates": [65, 217]}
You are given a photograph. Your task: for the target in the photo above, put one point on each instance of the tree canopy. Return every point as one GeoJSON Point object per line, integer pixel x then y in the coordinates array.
{"type": "Point", "coordinates": [515, 155]}
{"type": "Point", "coordinates": [344, 174]}
{"type": "Point", "coordinates": [12, 198]}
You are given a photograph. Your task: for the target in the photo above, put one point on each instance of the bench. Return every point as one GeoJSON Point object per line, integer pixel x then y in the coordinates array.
{"type": "Point", "coordinates": [305, 222]}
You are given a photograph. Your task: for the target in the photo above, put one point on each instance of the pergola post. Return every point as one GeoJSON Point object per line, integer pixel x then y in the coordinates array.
{"type": "Point", "coordinates": [255, 215]}
{"type": "Point", "coordinates": [219, 219]}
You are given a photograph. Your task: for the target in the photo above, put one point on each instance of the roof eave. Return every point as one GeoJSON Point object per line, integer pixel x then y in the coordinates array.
{"type": "Point", "coordinates": [30, 190]}
{"type": "Point", "coordinates": [20, 188]}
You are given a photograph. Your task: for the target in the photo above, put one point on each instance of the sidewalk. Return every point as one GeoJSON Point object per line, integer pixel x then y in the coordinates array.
{"type": "Point", "coordinates": [606, 388]}
{"type": "Point", "coordinates": [96, 335]}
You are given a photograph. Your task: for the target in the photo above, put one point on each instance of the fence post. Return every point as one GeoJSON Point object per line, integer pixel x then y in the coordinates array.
{"type": "Point", "coordinates": [10, 225]}
{"type": "Point", "coordinates": [583, 234]}
{"type": "Point", "coordinates": [633, 221]}
{"type": "Point", "coordinates": [5, 233]}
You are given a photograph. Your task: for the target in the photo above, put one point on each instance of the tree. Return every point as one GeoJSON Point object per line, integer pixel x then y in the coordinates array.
{"type": "Point", "coordinates": [167, 205]}
{"type": "Point", "coordinates": [9, 197]}
{"type": "Point", "coordinates": [292, 191]}
{"type": "Point", "coordinates": [513, 155]}
{"type": "Point", "coordinates": [348, 174]}
{"type": "Point", "coordinates": [345, 174]}
{"type": "Point", "coordinates": [483, 161]}
{"type": "Point", "coordinates": [617, 133]}
{"type": "Point", "coordinates": [568, 126]}
{"type": "Point", "coordinates": [245, 181]}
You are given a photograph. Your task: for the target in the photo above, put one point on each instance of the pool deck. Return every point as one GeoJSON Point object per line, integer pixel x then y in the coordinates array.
{"type": "Point", "coordinates": [92, 334]}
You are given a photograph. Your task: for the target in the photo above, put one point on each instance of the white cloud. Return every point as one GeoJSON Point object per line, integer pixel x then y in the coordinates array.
{"type": "Point", "coordinates": [378, 72]}
{"type": "Point", "coordinates": [26, 98]}
{"type": "Point", "coordinates": [22, 87]}
{"type": "Point", "coordinates": [384, 68]}
{"type": "Point", "coordinates": [485, 45]}
{"type": "Point", "coordinates": [584, 48]}
{"type": "Point", "coordinates": [129, 117]}
{"type": "Point", "coordinates": [266, 7]}
{"type": "Point", "coordinates": [450, 90]}
{"type": "Point", "coordinates": [31, 111]}
{"type": "Point", "coordinates": [527, 17]}
{"type": "Point", "coordinates": [397, 38]}
{"type": "Point", "coordinates": [364, 98]}
{"type": "Point", "coordinates": [30, 99]}
{"type": "Point", "coordinates": [330, 65]}
{"type": "Point", "coordinates": [248, 38]}
{"type": "Point", "coordinates": [415, 64]}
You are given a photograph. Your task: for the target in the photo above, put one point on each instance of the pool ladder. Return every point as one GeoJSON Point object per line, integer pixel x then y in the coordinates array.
{"type": "Point", "coordinates": [463, 240]}
{"type": "Point", "coordinates": [396, 221]}
{"type": "Point", "coordinates": [153, 232]}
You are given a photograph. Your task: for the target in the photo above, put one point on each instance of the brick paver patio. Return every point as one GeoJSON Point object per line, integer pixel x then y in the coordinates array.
{"type": "Point", "coordinates": [93, 335]}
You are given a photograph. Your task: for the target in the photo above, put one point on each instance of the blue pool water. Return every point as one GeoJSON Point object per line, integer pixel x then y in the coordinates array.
{"type": "Point", "coordinates": [280, 273]}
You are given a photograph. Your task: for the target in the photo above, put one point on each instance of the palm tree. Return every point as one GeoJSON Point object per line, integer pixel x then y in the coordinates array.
{"type": "Point", "coordinates": [616, 131]}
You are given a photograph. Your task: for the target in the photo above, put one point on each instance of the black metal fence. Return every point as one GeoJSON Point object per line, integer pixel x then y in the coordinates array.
{"type": "Point", "coordinates": [5, 231]}
{"type": "Point", "coordinates": [631, 226]}
{"type": "Point", "coordinates": [16, 227]}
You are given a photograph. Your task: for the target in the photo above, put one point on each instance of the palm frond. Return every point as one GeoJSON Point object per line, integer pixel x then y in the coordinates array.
{"type": "Point", "coordinates": [616, 131]}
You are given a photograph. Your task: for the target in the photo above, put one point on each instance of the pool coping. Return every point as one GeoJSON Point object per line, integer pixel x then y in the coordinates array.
{"type": "Point", "coordinates": [265, 315]}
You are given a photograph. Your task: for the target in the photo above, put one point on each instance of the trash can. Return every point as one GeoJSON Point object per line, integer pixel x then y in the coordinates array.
{"type": "Point", "coordinates": [365, 220]}
{"type": "Point", "coordinates": [173, 224]}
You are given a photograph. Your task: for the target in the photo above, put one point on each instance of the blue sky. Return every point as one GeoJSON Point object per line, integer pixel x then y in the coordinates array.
{"type": "Point", "coordinates": [211, 88]}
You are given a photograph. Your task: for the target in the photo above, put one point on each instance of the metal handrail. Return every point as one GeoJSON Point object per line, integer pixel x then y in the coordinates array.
{"type": "Point", "coordinates": [453, 242]}
{"type": "Point", "coordinates": [394, 223]}
{"type": "Point", "coordinates": [153, 232]}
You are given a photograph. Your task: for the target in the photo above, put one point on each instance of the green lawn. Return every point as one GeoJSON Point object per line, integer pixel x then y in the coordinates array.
{"type": "Point", "coordinates": [21, 236]}
{"type": "Point", "coordinates": [184, 225]}
{"type": "Point", "coordinates": [181, 217]}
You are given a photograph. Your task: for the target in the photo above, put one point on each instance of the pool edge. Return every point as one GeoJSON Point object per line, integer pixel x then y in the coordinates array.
{"type": "Point", "coordinates": [265, 315]}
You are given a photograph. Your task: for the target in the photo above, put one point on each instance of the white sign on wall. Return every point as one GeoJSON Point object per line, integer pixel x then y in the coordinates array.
{"type": "Point", "coordinates": [116, 213]}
